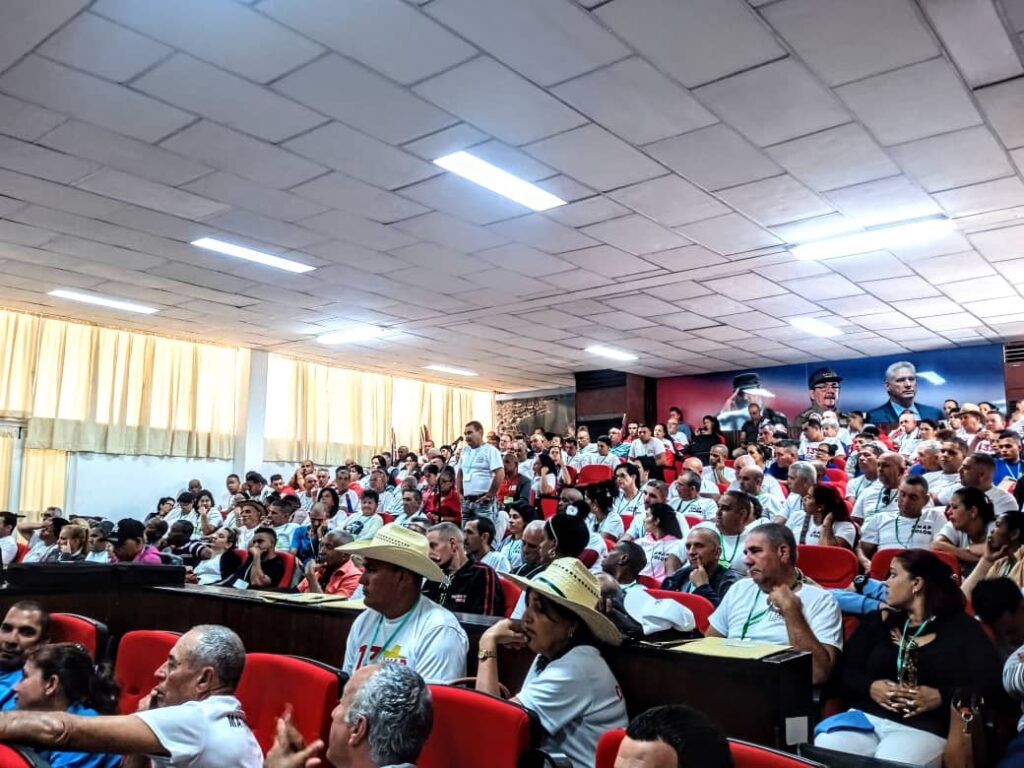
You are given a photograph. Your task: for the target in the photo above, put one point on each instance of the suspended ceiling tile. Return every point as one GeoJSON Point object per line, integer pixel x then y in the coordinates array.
{"type": "Point", "coordinates": [837, 157]}
{"type": "Point", "coordinates": [596, 157]}
{"type": "Point", "coordinates": [714, 157]}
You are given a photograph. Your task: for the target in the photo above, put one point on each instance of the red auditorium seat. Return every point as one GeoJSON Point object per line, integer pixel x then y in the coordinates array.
{"type": "Point", "coordinates": [648, 581]}
{"type": "Point", "coordinates": [744, 754]}
{"type": "Point", "coordinates": [511, 591]}
{"type": "Point", "coordinates": [12, 757]}
{"type": "Point", "coordinates": [593, 473]}
{"type": "Point", "coordinates": [608, 748]}
{"type": "Point", "coordinates": [693, 520]}
{"type": "Point", "coordinates": [272, 681]}
{"type": "Point", "coordinates": [72, 628]}
{"type": "Point", "coordinates": [701, 607]}
{"type": "Point", "coordinates": [831, 567]}
{"type": "Point", "coordinates": [22, 551]}
{"type": "Point", "coordinates": [627, 520]}
{"type": "Point", "coordinates": [289, 569]}
{"type": "Point", "coordinates": [548, 506]}
{"type": "Point", "coordinates": [503, 726]}
{"type": "Point", "coordinates": [883, 559]}
{"type": "Point", "coordinates": [669, 475]}
{"type": "Point", "coordinates": [387, 517]}
{"type": "Point", "coordinates": [139, 655]}
{"type": "Point", "coordinates": [837, 476]}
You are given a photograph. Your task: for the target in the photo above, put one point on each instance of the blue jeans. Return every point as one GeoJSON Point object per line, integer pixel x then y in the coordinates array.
{"type": "Point", "coordinates": [471, 510]}
{"type": "Point", "coordinates": [869, 600]}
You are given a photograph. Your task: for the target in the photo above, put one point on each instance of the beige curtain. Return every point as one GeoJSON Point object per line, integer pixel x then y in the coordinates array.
{"type": "Point", "coordinates": [7, 441]}
{"type": "Point", "coordinates": [83, 388]}
{"type": "Point", "coordinates": [330, 414]}
{"type": "Point", "coordinates": [44, 476]}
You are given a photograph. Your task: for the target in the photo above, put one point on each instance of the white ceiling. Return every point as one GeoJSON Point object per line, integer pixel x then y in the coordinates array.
{"type": "Point", "coordinates": [694, 138]}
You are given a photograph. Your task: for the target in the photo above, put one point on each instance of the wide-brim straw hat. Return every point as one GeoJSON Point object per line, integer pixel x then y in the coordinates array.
{"type": "Point", "coordinates": [567, 581]}
{"type": "Point", "coordinates": [970, 408]}
{"type": "Point", "coordinates": [398, 546]}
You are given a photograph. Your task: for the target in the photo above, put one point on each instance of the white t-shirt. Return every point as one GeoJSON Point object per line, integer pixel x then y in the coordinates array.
{"type": "Point", "coordinates": [858, 485]}
{"type": "Point", "coordinates": [841, 530]}
{"type": "Point", "coordinates": [770, 505]}
{"type": "Point", "coordinates": [9, 550]}
{"type": "Point", "coordinates": [211, 733]}
{"type": "Point", "coordinates": [703, 508]}
{"type": "Point", "coordinates": [872, 502]}
{"type": "Point", "coordinates": [732, 545]}
{"type": "Point", "coordinates": [497, 561]}
{"type": "Point", "coordinates": [612, 524]}
{"type": "Point", "coordinates": [794, 503]}
{"type": "Point", "coordinates": [213, 517]}
{"type": "Point", "coordinates": [746, 604]}
{"type": "Point", "coordinates": [652, 448]}
{"type": "Point", "coordinates": [284, 535]}
{"type": "Point", "coordinates": [708, 475]}
{"type": "Point", "coordinates": [362, 527]}
{"type": "Point", "coordinates": [611, 460]}
{"type": "Point", "coordinates": [478, 466]}
{"type": "Point", "coordinates": [576, 698]}
{"type": "Point", "coordinates": [959, 539]}
{"type": "Point", "coordinates": [769, 485]}
{"type": "Point", "coordinates": [658, 551]}
{"type": "Point", "coordinates": [245, 537]}
{"type": "Point", "coordinates": [942, 484]}
{"type": "Point", "coordinates": [635, 506]}
{"type": "Point", "coordinates": [890, 530]}
{"type": "Point", "coordinates": [428, 639]}
{"type": "Point", "coordinates": [654, 614]}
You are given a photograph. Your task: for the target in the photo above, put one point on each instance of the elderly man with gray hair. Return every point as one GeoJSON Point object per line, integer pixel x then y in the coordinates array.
{"type": "Point", "coordinates": [363, 731]}
{"type": "Point", "coordinates": [190, 718]}
{"type": "Point", "coordinates": [901, 387]}
{"type": "Point", "coordinates": [801, 478]}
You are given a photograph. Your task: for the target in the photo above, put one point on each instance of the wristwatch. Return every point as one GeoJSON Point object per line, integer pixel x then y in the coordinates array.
{"type": "Point", "coordinates": [859, 581]}
{"type": "Point", "coordinates": [483, 653]}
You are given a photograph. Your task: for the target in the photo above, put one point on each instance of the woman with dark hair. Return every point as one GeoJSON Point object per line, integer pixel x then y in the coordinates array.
{"type": "Point", "coordinates": [663, 544]}
{"type": "Point", "coordinates": [760, 453]}
{"type": "Point", "coordinates": [520, 515]}
{"type": "Point", "coordinates": [905, 664]}
{"type": "Point", "coordinates": [971, 517]}
{"type": "Point", "coordinates": [379, 462]}
{"type": "Point", "coordinates": [60, 677]}
{"type": "Point", "coordinates": [661, 433]}
{"type": "Point", "coordinates": [711, 426]}
{"type": "Point", "coordinates": [164, 506]}
{"type": "Point", "coordinates": [569, 686]}
{"type": "Point", "coordinates": [444, 505]}
{"type": "Point", "coordinates": [223, 562]}
{"type": "Point", "coordinates": [826, 519]}
{"type": "Point", "coordinates": [209, 516]}
{"type": "Point", "coordinates": [331, 500]}
{"type": "Point", "coordinates": [410, 466]}
{"type": "Point", "coordinates": [602, 519]}
{"type": "Point", "coordinates": [545, 476]}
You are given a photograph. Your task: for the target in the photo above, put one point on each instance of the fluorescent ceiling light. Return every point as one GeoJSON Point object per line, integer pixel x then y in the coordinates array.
{"type": "Point", "coordinates": [504, 183]}
{"type": "Point", "coordinates": [354, 334]}
{"type": "Point", "coordinates": [609, 352]}
{"type": "Point", "coordinates": [814, 326]}
{"type": "Point", "coordinates": [102, 301]}
{"type": "Point", "coordinates": [931, 377]}
{"type": "Point", "coordinates": [875, 239]}
{"type": "Point", "coordinates": [450, 369]}
{"type": "Point", "coordinates": [241, 252]}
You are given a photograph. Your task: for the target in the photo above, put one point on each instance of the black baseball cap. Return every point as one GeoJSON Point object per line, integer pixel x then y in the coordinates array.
{"type": "Point", "coordinates": [126, 529]}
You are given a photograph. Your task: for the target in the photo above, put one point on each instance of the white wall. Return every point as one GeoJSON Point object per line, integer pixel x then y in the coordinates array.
{"type": "Point", "coordinates": [117, 486]}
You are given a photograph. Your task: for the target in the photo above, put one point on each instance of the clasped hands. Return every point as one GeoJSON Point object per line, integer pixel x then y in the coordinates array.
{"type": "Point", "coordinates": [905, 700]}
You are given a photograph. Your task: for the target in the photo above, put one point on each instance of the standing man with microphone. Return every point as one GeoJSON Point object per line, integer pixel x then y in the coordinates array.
{"type": "Point", "coordinates": [479, 476]}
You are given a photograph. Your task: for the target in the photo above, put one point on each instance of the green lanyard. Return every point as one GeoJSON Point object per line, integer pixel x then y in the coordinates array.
{"type": "Point", "coordinates": [726, 562]}
{"type": "Point", "coordinates": [371, 655]}
{"type": "Point", "coordinates": [910, 538]}
{"type": "Point", "coordinates": [753, 618]}
{"type": "Point", "coordinates": [906, 643]}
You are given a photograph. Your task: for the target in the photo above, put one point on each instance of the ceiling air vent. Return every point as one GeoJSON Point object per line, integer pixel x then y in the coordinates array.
{"type": "Point", "coordinates": [587, 381]}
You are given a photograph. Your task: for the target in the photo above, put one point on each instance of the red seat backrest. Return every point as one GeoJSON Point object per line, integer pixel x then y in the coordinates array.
{"type": "Point", "coordinates": [883, 559]}
{"type": "Point", "coordinates": [503, 726]}
{"type": "Point", "coordinates": [669, 475]}
{"type": "Point", "coordinates": [831, 567]}
{"type": "Point", "coordinates": [139, 655]}
{"type": "Point", "coordinates": [693, 520]}
{"type": "Point", "coordinates": [10, 757]}
{"type": "Point", "coordinates": [23, 549]}
{"type": "Point", "coordinates": [387, 517]}
{"type": "Point", "coordinates": [593, 473]}
{"type": "Point", "coordinates": [836, 476]}
{"type": "Point", "coordinates": [511, 591]}
{"type": "Point", "coordinates": [648, 581]}
{"type": "Point", "coordinates": [785, 488]}
{"type": "Point", "coordinates": [289, 569]}
{"type": "Point", "coordinates": [722, 487]}
{"type": "Point", "coordinates": [72, 628]}
{"type": "Point", "coordinates": [627, 520]}
{"type": "Point", "coordinates": [271, 681]}
{"type": "Point", "coordinates": [608, 748]}
{"type": "Point", "coordinates": [548, 506]}
{"type": "Point", "coordinates": [701, 607]}
{"type": "Point", "coordinates": [746, 755]}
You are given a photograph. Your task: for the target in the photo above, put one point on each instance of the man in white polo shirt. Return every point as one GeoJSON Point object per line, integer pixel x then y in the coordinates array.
{"type": "Point", "coordinates": [913, 524]}
{"type": "Point", "coordinates": [941, 484]}
{"type": "Point", "coordinates": [191, 718]}
{"type": "Point", "coordinates": [777, 605]}
{"type": "Point", "coordinates": [883, 497]}
{"type": "Point", "coordinates": [977, 471]}
{"type": "Point", "coordinates": [480, 474]}
{"type": "Point", "coordinates": [646, 445]}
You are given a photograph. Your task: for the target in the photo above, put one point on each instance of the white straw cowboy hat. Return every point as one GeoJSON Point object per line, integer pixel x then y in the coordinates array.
{"type": "Point", "coordinates": [398, 546]}
{"type": "Point", "coordinates": [567, 581]}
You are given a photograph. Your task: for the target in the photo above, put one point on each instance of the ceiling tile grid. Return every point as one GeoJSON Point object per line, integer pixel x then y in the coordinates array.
{"type": "Point", "coordinates": [692, 139]}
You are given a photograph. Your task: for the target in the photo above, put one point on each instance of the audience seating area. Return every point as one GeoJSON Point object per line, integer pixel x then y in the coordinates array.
{"type": "Point", "coordinates": [744, 754]}
{"type": "Point", "coordinates": [89, 633]}
{"type": "Point", "coordinates": [139, 655]}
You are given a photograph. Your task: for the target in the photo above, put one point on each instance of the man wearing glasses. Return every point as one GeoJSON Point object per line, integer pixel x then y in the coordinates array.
{"type": "Point", "coordinates": [823, 390]}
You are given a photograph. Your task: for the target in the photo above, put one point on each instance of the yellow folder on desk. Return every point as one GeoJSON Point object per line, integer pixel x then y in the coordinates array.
{"type": "Point", "coordinates": [730, 649]}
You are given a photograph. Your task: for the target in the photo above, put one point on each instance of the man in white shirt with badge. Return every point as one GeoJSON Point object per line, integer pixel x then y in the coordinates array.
{"type": "Point", "coordinates": [684, 497]}
{"type": "Point", "coordinates": [646, 445]}
{"type": "Point", "coordinates": [717, 472]}
{"type": "Point", "coordinates": [941, 484]}
{"type": "Point", "coordinates": [867, 463]}
{"type": "Point", "coordinates": [912, 524]}
{"type": "Point", "coordinates": [802, 477]}
{"type": "Point", "coordinates": [777, 605]}
{"type": "Point", "coordinates": [734, 521]}
{"type": "Point", "coordinates": [400, 624]}
{"type": "Point", "coordinates": [977, 471]}
{"type": "Point", "coordinates": [751, 479]}
{"type": "Point", "coordinates": [883, 497]}
{"type": "Point", "coordinates": [191, 718]}
{"type": "Point", "coordinates": [479, 476]}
